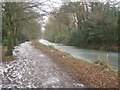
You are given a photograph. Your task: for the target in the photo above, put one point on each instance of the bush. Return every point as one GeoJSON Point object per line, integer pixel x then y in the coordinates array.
{"type": "Point", "coordinates": [103, 62]}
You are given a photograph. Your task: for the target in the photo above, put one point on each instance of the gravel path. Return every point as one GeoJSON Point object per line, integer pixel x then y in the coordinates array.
{"type": "Point", "coordinates": [33, 69]}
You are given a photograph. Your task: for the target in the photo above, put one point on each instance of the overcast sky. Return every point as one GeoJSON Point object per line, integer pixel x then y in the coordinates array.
{"type": "Point", "coordinates": [49, 6]}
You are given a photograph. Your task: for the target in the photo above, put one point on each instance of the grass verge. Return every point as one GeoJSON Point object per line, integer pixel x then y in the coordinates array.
{"type": "Point", "coordinates": [90, 74]}
{"type": "Point", "coordinates": [5, 58]}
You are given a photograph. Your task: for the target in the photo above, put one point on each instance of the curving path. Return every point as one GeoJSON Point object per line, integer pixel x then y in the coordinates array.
{"type": "Point", "coordinates": [33, 69]}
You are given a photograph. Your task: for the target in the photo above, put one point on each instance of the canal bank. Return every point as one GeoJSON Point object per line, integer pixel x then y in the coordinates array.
{"type": "Point", "coordinates": [95, 76]}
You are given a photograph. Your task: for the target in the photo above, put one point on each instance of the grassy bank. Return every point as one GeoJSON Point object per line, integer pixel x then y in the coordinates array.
{"type": "Point", "coordinates": [5, 58]}
{"type": "Point", "coordinates": [90, 74]}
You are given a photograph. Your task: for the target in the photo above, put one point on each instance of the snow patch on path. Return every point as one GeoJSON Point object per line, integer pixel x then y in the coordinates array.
{"type": "Point", "coordinates": [33, 69]}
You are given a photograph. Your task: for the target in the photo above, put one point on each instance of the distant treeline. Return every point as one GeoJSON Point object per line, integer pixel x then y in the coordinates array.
{"type": "Point", "coordinates": [92, 25]}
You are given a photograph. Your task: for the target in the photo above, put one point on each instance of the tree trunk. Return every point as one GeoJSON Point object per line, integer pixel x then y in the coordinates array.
{"type": "Point", "coordinates": [15, 31]}
{"type": "Point", "coordinates": [10, 43]}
